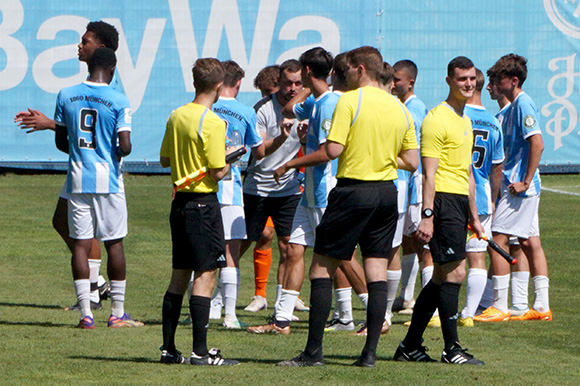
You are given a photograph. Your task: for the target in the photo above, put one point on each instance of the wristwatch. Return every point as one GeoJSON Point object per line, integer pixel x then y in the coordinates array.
{"type": "Point", "coordinates": [427, 213]}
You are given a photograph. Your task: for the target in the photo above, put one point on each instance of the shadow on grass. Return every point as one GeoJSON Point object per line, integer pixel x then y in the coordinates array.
{"type": "Point", "coordinates": [36, 324]}
{"type": "Point", "coordinates": [46, 306]}
{"type": "Point", "coordinates": [115, 359]}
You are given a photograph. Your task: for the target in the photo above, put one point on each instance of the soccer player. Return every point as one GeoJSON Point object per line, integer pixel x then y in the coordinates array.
{"type": "Point", "coordinates": [487, 158]}
{"type": "Point", "coordinates": [316, 64]}
{"type": "Point", "coordinates": [194, 138]}
{"type": "Point", "coordinates": [448, 203]}
{"type": "Point", "coordinates": [95, 118]}
{"type": "Point", "coordinates": [371, 134]}
{"type": "Point", "coordinates": [241, 126]}
{"type": "Point", "coordinates": [263, 196]}
{"type": "Point", "coordinates": [405, 74]}
{"type": "Point", "coordinates": [98, 34]}
{"type": "Point", "coordinates": [517, 210]}
{"type": "Point", "coordinates": [267, 82]}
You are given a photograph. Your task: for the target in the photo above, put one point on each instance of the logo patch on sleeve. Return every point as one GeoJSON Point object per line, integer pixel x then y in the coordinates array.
{"type": "Point", "coordinates": [326, 125]}
{"type": "Point", "coordinates": [128, 115]}
{"type": "Point", "coordinates": [529, 121]}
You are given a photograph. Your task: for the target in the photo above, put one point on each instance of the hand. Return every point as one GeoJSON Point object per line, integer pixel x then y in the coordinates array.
{"type": "Point", "coordinates": [286, 127]}
{"type": "Point", "coordinates": [476, 227]}
{"type": "Point", "coordinates": [280, 172]}
{"type": "Point", "coordinates": [518, 187]}
{"type": "Point", "coordinates": [425, 230]}
{"type": "Point", "coordinates": [33, 120]}
{"type": "Point", "coordinates": [301, 130]}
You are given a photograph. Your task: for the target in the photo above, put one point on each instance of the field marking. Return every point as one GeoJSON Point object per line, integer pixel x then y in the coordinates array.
{"type": "Point", "coordinates": [561, 191]}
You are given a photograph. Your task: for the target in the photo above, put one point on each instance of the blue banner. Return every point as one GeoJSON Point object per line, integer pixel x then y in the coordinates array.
{"type": "Point", "coordinates": [161, 39]}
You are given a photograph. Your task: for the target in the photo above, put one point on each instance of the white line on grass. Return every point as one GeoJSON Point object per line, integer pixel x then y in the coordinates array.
{"type": "Point", "coordinates": [560, 191]}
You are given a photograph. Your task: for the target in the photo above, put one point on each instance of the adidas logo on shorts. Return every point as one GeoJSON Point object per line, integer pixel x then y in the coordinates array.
{"type": "Point", "coordinates": [450, 251]}
{"type": "Point", "coordinates": [221, 258]}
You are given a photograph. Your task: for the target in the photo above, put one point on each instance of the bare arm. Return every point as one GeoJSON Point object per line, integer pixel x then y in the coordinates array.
{"type": "Point", "coordinates": [288, 110]}
{"type": "Point", "coordinates": [408, 160]}
{"type": "Point", "coordinates": [271, 145]}
{"type": "Point", "coordinates": [425, 229]}
{"type": "Point", "coordinates": [312, 159]}
{"type": "Point", "coordinates": [34, 120]}
{"type": "Point", "coordinates": [61, 138]}
{"type": "Point", "coordinates": [125, 147]}
{"type": "Point", "coordinates": [218, 174]}
{"type": "Point", "coordinates": [495, 182]}
{"type": "Point", "coordinates": [474, 217]}
{"type": "Point", "coordinates": [536, 150]}
{"type": "Point", "coordinates": [259, 152]}
{"type": "Point", "coordinates": [333, 149]}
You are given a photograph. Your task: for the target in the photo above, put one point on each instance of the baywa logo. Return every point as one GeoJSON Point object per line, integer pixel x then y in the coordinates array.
{"type": "Point", "coordinates": [565, 14]}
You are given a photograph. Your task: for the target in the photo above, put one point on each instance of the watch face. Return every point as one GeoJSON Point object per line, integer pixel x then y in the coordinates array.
{"type": "Point", "coordinates": [427, 212]}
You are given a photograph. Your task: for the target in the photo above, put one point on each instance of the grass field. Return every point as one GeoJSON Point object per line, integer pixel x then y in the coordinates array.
{"type": "Point", "coordinates": [40, 346]}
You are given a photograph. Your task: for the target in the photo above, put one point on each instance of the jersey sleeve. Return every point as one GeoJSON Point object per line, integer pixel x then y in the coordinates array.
{"type": "Point", "coordinates": [252, 137]}
{"type": "Point", "coordinates": [167, 142]}
{"type": "Point", "coordinates": [214, 138]}
{"type": "Point", "coordinates": [342, 118]}
{"type": "Point", "coordinates": [410, 139]}
{"type": "Point", "coordinates": [530, 120]}
{"type": "Point", "coordinates": [432, 137]}
{"type": "Point", "coordinates": [497, 155]}
{"type": "Point", "coordinates": [303, 109]}
{"type": "Point", "coordinates": [124, 115]}
{"type": "Point", "coordinates": [324, 122]}
{"type": "Point", "coordinates": [261, 124]}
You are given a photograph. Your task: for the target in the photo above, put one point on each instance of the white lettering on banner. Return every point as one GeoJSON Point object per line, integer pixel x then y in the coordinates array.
{"type": "Point", "coordinates": [185, 38]}
{"type": "Point", "coordinates": [329, 33]}
{"type": "Point", "coordinates": [565, 110]}
{"type": "Point", "coordinates": [45, 61]}
{"type": "Point", "coordinates": [16, 55]}
{"type": "Point", "coordinates": [135, 78]}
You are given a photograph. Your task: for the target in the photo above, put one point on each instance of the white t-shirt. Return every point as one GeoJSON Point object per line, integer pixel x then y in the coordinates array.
{"type": "Point", "coordinates": [260, 173]}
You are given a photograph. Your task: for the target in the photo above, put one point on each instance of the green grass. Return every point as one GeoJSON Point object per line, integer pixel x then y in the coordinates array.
{"type": "Point", "coordinates": [40, 345]}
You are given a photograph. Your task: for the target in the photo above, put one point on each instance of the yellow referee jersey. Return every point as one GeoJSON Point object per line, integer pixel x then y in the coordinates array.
{"type": "Point", "coordinates": [373, 126]}
{"type": "Point", "coordinates": [194, 137]}
{"type": "Point", "coordinates": [449, 138]}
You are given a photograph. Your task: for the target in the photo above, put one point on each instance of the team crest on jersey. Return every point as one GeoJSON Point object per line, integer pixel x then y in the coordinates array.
{"type": "Point", "coordinates": [128, 115]}
{"type": "Point", "coordinates": [529, 121]}
{"type": "Point", "coordinates": [326, 125]}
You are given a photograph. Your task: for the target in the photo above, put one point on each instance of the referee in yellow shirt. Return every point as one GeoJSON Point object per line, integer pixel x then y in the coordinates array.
{"type": "Point", "coordinates": [372, 134]}
{"type": "Point", "coordinates": [448, 205]}
{"type": "Point", "coordinates": [195, 137]}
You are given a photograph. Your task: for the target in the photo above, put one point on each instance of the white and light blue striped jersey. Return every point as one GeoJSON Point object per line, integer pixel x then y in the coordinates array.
{"type": "Point", "coordinates": [501, 114]}
{"type": "Point", "coordinates": [521, 122]}
{"type": "Point", "coordinates": [240, 118]}
{"type": "Point", "coordinates": [487, 150]}
{"type": "Point", "coordinates": [93, 113]}
{"type": "Point", "coordinates": [319, 179]}
{"type": "Point", "coordinates": [418, 112]}
{"type": "Point", "coordinates": [303, 109]}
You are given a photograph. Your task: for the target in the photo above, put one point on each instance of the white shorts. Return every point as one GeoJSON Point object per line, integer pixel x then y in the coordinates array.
{"type": "Point", "coordinates": [516, 216]}
{"type": "Point", "coordinates": [304, 225]}
{"type": "Point", "coordinates": [412, 219]}
{"type": "Point", "coordinates": [513, 241]}
{"type": "Point", "coordinates": [476, 245]}
{"type": "Point", "coordinates": [398, 237]}
{"type": "Point", "coordinates": [402, 190]}
{"type": "Point", "coordinates": [63, 193]}
{"type": "Point", "coordinates": [234, 222]}
{"type": "Point", "coordinates": [96, 215]}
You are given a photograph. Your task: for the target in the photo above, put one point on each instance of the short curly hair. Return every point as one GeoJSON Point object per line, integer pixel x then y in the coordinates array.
{"type": "Point", "coordinates": [106, 33]}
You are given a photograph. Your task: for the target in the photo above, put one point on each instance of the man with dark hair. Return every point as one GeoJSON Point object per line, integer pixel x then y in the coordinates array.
{"type": "Point", "coordinates": [448, 203]}
{"type": "Point", "coordinates": [387, 77]}
{"type": "Point", "coordinates": [98, 34]}
{"type": "Point", "coordinates": [316, 64]}
{"type": "Point", "coordinates": [517, 210]}
{"type": "Point", "coordinates": [371, 135]}
{"type": "Point", "coordinates": [264, 196]}
{"type": "Point", "coordinates": [241, 131]}
{"type": "Point", "coordinates": [405, 73]}
{"type": "Point", "coordinates": [267, 80]}
{"type": "Point", "coordinates": [96, 207]}
{"type": "Point", "coordinates": [487, 159]}
{"type": "Point", "coordinates": [194, 138]}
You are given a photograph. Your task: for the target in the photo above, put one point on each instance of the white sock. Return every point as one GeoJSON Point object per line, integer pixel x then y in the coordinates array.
{"type": "Point", "coordinates": [409, 270]}
{"type": "Point", "coordinates": [118, 297]}
{"type": "Point", "coordinates": [278, 294]}
{"type": "Point", "coordinates": [335, 313]}
{"type": "Point", "coordinates": [500, 292]}
{"type": "Point", "coordinates": [520, 282]}
{"type": "Point", "coordinates": [94, 267]}
{"type": "Point", "coordinates": [344, 303]}
{"type": "Point", "coordinates": [541, 291]}
{"type": "Point", "coordinates": [364, 298]}
{"type": "Point", "coordinates": [286, 304]}
{"type": "Point", "coordinates": [83, 290]}
{"type": "Point", "coordinates": [426, 275]}
{"type": "Point", "coordinates": [101, 280]}
{"type": "Point", "coordinates": [393, 279]}
{"type": "Point", "coordinates": [218, 291]}
{"type": "Point", "coordinates": [476, 280]}
{"type": "Point", "coordinates": [229, 279]}
{"type": "Point", "coordinates": [487, 297]}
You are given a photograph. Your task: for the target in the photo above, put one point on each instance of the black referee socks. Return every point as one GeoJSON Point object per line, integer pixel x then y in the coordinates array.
{"type": "Point", "coordinates": [320, 304]}
{"type": "Point", "coordinates": [199, 309]}
{"type": "Point", "coordinates": [170, 318]}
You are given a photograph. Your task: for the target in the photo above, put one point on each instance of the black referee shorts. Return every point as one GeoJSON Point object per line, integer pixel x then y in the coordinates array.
{"type": "Point", "coordinates": [358, 212]}
{"type": "Point", "coordinates": [197, 232]}
{"type": "Point", "coordinates": [449, 227]}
